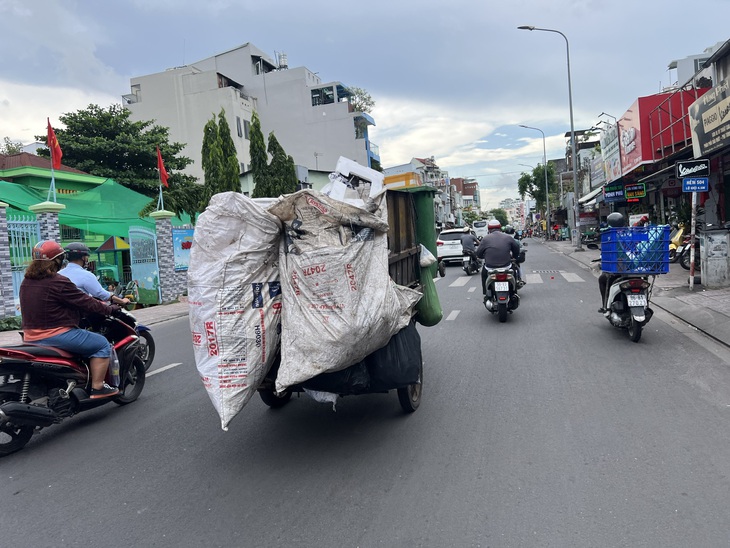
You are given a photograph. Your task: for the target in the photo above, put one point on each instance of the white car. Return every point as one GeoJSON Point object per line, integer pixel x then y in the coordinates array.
{"type": "Point", "coordinates": [448, 244]}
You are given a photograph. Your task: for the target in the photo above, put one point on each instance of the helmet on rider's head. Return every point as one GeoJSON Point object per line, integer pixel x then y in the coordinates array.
{"type": "Point", "coordinates": [493, 225]}
{"type": "Point", "coordinates": [46, 250]}
{"type": "Point", "coordinates": [509, 229]}
{"type": "Point", "coordinates": [615, 220]}
{"type": "Point", "coordinates": [76, 251]}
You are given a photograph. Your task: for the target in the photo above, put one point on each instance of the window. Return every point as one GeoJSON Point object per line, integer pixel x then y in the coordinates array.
{"type": "Point", "coordinates": [246, 129]}
{"type": "Point", "coordinates": [323, 96]}
{"type": "Point", "coordinates": [70, 233]}
{"type": "Point", "coordinates": [238, 126]}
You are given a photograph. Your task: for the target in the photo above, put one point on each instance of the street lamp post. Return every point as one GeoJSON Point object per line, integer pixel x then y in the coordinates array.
{"type": "Point", "coordinates": [544, 169]}
{"type": "Point", "coordinates": [576, 206]}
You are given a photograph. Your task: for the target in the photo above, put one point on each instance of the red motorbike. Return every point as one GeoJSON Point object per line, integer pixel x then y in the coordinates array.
{"type": "Point", "coordinates": [41, 385]}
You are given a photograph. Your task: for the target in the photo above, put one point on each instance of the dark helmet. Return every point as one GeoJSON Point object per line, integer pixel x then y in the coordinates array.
{"type": "Point", "coordinates": [76, 251]}
{"type": "Point", "coordinates": [46, 250]}
{"type": "Point", "coordinates": [509, 229]}
{"type": "Point", "coordinates": [615, 219]}
{"type": "Point", "coordinates": [493, 225]}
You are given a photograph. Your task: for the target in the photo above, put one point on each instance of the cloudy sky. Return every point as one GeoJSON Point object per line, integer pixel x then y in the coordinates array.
{"type": "Point", "coordinates": [451, 79]}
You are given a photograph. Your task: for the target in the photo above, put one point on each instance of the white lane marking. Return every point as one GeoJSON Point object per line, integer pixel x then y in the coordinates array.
{"type": "Point", "coordinates": [453, 315]}
{"type": "Point", "coordinates": [436, 279]}
{"type": "Point", "coordinates": [472, 289]}
{"type": "Point", "coordinates": [533, 278]}
{"type": "Point", "coordinates": [460, 281]}
{"type": "Point", "coordinates": [572, 277]}
{"type": "Point", "coordinates": [161, 369]}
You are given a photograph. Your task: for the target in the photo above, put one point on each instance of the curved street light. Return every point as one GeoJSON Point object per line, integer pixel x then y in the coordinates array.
{"type": "Point", "coordinates": [544, 169]}
{"type": "Point", "coordinates": [576, 206]}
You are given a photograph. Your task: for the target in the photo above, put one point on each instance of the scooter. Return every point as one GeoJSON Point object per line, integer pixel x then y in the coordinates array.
{"type": "Point", "coordinates": [40, 385]}
{"type": "Point", "coordinates": [628, 303]}
{"type": "Point", "coordinates": [675, 241]}
{"type": "Point", "coordinates": [683, 253]}
{"type": "Point", "coordinates": [470, 263]}
{"type": "Point", "coordinates": [501, 291]}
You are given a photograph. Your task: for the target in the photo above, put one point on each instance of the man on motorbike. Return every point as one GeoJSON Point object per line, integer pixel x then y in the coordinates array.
{"type": "Point", "coordinates": [51, 308]}
{"type": "Point", "coordinates": [614, 220]}
{"type": "Point", "coordinates": [496, 249]}
{"type": "Point", "coordinates": [469, 242]}
{"type": "Point", "coordinates": [77, 255]}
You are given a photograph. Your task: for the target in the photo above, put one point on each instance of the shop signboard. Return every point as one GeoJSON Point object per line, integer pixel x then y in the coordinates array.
{"type": "Point", "coordinates": [709, 120]}
{"type": "Point", "coordinates": [635, 191]}
{"type": "Point", "coordinates": [611, 153]}
{"type": "Point", "coordinates": [598, 173]}
{"type": "Point", "coordinates": [693, 168]}
{"type": "Point", "coordinates": [614, 192]}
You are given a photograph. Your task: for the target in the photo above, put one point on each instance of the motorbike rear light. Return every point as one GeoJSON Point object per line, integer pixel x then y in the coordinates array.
{"type": "Point", "coordinates": [501, 276]}
{"type": "Point", "coordinates": [636, 285]}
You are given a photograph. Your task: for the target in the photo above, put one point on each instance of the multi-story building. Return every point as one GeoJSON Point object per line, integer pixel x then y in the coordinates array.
{"type": "Point", "coordinates": [314, 122]}
{"type": "Point", "coordinates": [447, 203]}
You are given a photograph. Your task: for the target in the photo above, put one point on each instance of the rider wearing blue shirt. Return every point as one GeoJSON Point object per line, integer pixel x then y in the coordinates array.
{"type": "Point", "coordinates": [78, 258]}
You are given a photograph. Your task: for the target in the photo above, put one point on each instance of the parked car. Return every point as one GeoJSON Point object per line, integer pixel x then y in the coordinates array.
{"type": "Point", "coordinates": [480, 228]}
{"type": "Point", "coordinates": [448, 245]}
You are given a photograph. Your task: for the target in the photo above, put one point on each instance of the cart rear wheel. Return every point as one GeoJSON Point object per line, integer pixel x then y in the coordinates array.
{"type": "Point", "coordinates": [410, 396]}
{"type": "Point", "coordinates": [274, 400]}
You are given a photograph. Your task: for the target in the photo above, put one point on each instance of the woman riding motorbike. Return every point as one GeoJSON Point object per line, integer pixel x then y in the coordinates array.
{"type": "Point", "coordinates": [51, 308]}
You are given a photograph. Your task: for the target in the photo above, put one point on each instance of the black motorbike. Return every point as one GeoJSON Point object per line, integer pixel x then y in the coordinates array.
{"type": "Point", "coordinates": [470, 263]}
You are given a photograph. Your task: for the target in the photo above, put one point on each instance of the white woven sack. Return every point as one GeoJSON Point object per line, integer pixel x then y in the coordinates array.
{"type": "Point", "coordinates": [235, 299]}
{"type": "Point", "coordinates": [339, 301]}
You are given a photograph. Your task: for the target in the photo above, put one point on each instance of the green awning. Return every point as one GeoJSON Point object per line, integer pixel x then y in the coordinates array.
{"type": "Point", "coordinates": [109, 209]}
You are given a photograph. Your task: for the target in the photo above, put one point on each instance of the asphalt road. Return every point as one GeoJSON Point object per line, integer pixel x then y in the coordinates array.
{"type": "Point", "coordinates": [552, 429]}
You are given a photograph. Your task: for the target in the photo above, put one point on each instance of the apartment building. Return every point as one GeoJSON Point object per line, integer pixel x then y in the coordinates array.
{"type": "Point", "coordinates": [314, 122]}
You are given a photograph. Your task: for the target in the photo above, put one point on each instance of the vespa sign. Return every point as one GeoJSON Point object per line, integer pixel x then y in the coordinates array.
{"type": "Point", "coordinates": [693, 168]}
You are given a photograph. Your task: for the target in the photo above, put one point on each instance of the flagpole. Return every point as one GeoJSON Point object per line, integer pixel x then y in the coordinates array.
{"type": "Point", "coordinates": [52, 188]}
{"type": "Point", "coordinates": [160, 203]}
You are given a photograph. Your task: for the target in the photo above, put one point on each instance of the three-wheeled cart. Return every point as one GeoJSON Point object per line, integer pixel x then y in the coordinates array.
{"type": "Point", "coordinates": [398, 366]}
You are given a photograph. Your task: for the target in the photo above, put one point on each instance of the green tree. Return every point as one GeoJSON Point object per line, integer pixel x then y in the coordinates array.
{"type": "Point", "coordinates": [501, 215]}
{"type": "Point", "coordinates": [533, 185]}
{"type": "Point", "coordinates": [106, 143]}
{"type": "Point", "coordinates": [361, 100]}
{"type": "Point", "coordinates": [471, 216]}
{"type": "Point", "coordinates": [259, 160]}
{"type": "Point", "coordinates": [282, 173]}
{"type": "Point", "coordinates": [11, 147]}
{"type": "Point", "coordinates": [219, 159]}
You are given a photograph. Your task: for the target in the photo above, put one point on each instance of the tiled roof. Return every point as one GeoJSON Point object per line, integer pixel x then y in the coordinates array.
{"type": "Point", "coordinates": [25, 159]}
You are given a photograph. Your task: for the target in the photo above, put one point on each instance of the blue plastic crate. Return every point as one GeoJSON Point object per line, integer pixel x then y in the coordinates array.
{"type": "Point", "coordinates": [635, 250]}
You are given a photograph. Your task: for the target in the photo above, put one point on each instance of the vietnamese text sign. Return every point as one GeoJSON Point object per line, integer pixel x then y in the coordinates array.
{"type": "Point", "coordinates": [635, 191]}
{"type": "Point", "coordinates": [695, 184]}
{"type": "Point", "coordinates": [613, 192]}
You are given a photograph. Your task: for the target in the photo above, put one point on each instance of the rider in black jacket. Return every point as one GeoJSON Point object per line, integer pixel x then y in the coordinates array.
{"type": "Point", "coordinates": [496, 249]}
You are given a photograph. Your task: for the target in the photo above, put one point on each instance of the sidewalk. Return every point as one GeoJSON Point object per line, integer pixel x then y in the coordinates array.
{"type": "Point", "coordinates": [707, 310]}
{"type": "Point", "coordinates": [147, 316]}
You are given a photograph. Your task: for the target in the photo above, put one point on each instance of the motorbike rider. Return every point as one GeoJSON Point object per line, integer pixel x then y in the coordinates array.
{"type": "Point", "coordinates": [51, 309]}
{"type": "Point", "coordinates": [614, 220]}
{"type": "Point", "coordinates": [77, 255]}
{"type": "Point", "coordinates": [496, 249]}
{"type": "Point", "coordinates": [509, 229]}
{"type": "Point", "coordinates": [469, 243]}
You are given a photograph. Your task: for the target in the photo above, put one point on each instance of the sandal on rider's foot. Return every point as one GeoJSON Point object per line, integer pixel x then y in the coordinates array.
{"type": "Point", "coordinates": [104, 392]}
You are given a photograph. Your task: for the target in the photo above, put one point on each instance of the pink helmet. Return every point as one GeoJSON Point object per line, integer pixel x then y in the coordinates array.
{"type": "Point", "coordinates": [47, 250]}
{"type": "Point", "coordinates": [493, 225]}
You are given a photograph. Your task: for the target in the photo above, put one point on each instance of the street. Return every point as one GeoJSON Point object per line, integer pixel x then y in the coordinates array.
{"type": "Point", "coordinates": [552, 429]}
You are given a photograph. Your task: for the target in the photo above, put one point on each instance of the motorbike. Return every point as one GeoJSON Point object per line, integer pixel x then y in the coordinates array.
{"type": "Point", "coordinates": [146, 341]}
{"type": "Point", "coordinates": [675, 241]}
{"type": "Point", "coordinates": [40, 385]}
{"type": "Point", "coordinates": [629, 295]}
{"type": "Point", "coordinates": [501, 297]}
{"type": "Point", "coordinates": [470, 263]}
{"type": "Point", "coordinates": [683, 253]}
{"type": "Point", "coordinates": [590, 236]}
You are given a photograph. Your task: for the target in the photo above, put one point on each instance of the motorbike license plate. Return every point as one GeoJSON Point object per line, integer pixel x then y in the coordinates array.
{"type": "Point", "coordinates": [636, 300]}
{"type": "Point", "coordinates": [465, 259]}
{"type": "Point", "coordinates": [679, 249]}
{"type": "Point", "coordinates": [501, 286]}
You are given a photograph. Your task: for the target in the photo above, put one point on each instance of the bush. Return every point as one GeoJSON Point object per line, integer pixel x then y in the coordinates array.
{"type": "Point", "coordinates": [10, 324]}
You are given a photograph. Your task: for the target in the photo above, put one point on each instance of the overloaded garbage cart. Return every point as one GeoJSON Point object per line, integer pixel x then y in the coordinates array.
{"type": "Point", "coordinates": [315, 292]}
